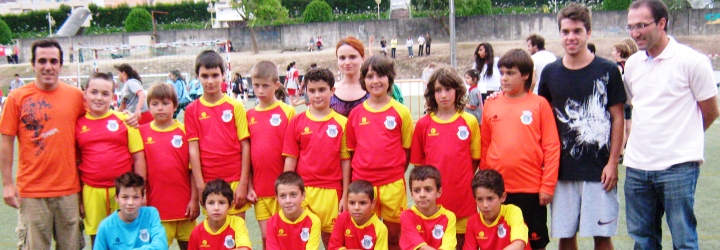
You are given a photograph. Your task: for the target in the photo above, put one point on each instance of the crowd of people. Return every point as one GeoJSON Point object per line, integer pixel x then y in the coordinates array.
{"type": "Point", "coordinates": [489, 158]}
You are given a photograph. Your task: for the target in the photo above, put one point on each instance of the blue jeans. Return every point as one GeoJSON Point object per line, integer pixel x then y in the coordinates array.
{"type": "Point", "coordinates": [649, 194]}
{"type": "Point", "coordinates": [410, 52]}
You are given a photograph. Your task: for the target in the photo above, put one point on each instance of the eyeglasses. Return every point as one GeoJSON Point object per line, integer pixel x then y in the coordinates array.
{"type": "Point", "coordinates": [639, 26]}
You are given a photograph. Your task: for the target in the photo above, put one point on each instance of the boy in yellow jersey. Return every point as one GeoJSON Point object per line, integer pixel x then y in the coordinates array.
{"type": "Point", "coordinates": [359, 227]}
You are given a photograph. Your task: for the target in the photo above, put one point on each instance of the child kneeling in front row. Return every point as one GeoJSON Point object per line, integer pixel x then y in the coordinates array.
{"type": "Point", "coordinates": [219, 231]}
{"type": "Point", "coordinates": [359, 227]}
{"type": "Point", "coordinates": [293, 227]}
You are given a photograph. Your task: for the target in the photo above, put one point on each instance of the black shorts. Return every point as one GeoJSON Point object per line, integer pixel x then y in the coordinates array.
{"type": "Point", "coordinates": [535, 217]}
{"type": "Point", "coordinates": [628, 112]}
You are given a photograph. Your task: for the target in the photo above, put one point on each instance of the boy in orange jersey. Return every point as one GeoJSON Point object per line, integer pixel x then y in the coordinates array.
{"type": "Point", "coordinates": [108, 148]}
{"type": "Point", "coordinates": [293, 227]}
{"type": "Point", "coordinates": [359, 227]}
{"type": "Point", "coordinates": [315, 148]}
{"type": "Point", "coordinates": [171, 188]}
{"type": "Point", "coordinates": [449, 139]}
{"type": "Point", "coordinates": [378, 132]}
{"type": "Point", "coordinates": [267, 124]}
{"type": "Point", "coordinates": [520, 140]}
{"type": "Point", "coordinates": [219, 231]}
{"type": "Point", "coordinates": [496, 226]}
{"type": "Point", "coordinates": [427, 225]}
{"type": "Point", "coordinates": [217, 133]}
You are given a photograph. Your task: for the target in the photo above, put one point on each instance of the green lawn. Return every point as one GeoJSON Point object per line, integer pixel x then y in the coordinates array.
{"type": "Point", "coordinates": [706, 203]}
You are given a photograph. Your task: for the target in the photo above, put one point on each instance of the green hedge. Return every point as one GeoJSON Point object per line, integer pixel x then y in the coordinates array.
{"type": "Point", "coordinates": [297, 7]}
{"type": "Point", "coordinates": [5, 33]}
{"type": "Point", "coordinates": [138, 20]}
{"type": "Point", "coordinates": [318, 11]}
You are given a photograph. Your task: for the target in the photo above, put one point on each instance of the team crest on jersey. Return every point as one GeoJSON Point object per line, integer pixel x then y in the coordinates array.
{"type": "Point", "coordinates": [367, 242]}
{"type": "Point", "coordinates": [177, 141]}
{"type": "Point", "coordinates": [526, 117]}
{"type": "Point", "coordinates": [229, 242]}
{"type": "Point", "coordinates": [275, 120]}
{"type": "Point", "coordinates": [438, 232]}
{"type": "Point", "coordinates": [463, 133]}
{"type": "Point", "coordinates": [305, 234]}
{"type": "Point", "coordinates": [144, 235]}
{"type": "Point", "coordinates": [227, 115]}
{"type": "Point", "coordinates": [501, 231]}
{"type": "Point", "coordinates": [113, 125]}
{"type": "Point", "coordinates": [332, 131]}
{"type": "Point", "coordinates": [390, 122]}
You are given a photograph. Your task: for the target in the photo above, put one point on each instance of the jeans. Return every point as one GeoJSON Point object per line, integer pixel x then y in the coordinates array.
{"type": "Point", "coordinates": [649, 194]}
{"type": "Point", "coordinates": [410, 52]}
{"type": "Point", "coordinates": [421, 49]}
{"type": "Point", "coordinates": [393, 52]}
{"type": "Point", "coordinates": [427, 49]}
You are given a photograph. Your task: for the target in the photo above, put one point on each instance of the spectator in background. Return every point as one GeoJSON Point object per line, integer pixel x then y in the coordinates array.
{"type": "Point", "coordinates": [421, 45]}
{"type": "Point", "coordinates": [180, 87]}
{"type": "Point", "coordinates": [393, 46]}
{"type": "Point", "coordinates": [428, 40]}
{"type": "Point", "coordinates": [319, 43]}
{"type": "Point", "coordinates": [427, 72]}
{"type": "Point", "coordinates": [409, 44]}
{"type": "Point", "coordinates": [9, 54]}
{"type": "Point", "coordinates": [486, 63]}
{"type": "Point", "coordinates": [16, 83]}
{"type": "Point", "coordinates": [16, 53]}
{"type": "Point", "coordinates": [311, 44]}
{"type": "Point", "coordinates": [72, 53]}
{"type": "Point", "coordinates": [80, 55]}
{"type": "Point", "coordinates": [540, 57]}
{"type": "Point", "coordinates": [133, 93]}
{"type": "Point", "coordinates": [383, 45]}
{"type": "Point", "coordinates": [291, 79]}
{"type": "Point", "coordinates": [195, 88]}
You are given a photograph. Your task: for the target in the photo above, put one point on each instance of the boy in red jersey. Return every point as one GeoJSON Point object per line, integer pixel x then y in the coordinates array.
{"type": "Point", "coordinates": [267, 124]}
{"type": "Point", "coordinates": [449, 139]}
{"type": "Point", "coordinates": [108, 148]}
{"type": "Point", "coordinates": [359, 227]}
{"type": "Point", "coordinates": [497, 226]}
{"type": "Point", "coordinates": [219, 231]}
{"type": "Point", "coordinates": [427, 225]}
{"type": "Point", "coordinates": [315, 148]}
{"type": "Point", "coordinates": [171, 188]}
{"type": "Point", "coordinates": [220, 123]}
{"type": "Point", "coordinates": [519, 117]}
{"type": "Point", "coordinates": [293, 227]}
{"type": "Point", "coordinates": [378, 133]}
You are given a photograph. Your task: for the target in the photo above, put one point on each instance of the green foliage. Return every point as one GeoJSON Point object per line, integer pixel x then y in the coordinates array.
{"type": "Point", "coordinates": [473, 7]}
{"type": "Point", "coordinates": [297, 7]}
{"type": "Point", "coordinates": [616, 4]}
{"type": "Point", "coordinates": [318, 11]}
{"type": "Point", "coordinates": [268, 11]}
{"type": "Point", "coordinates": [5, 33]}
{"type": "Point", "coordinates": [677, 4]}
{"type": "Point", "coordinates": [138, 20]}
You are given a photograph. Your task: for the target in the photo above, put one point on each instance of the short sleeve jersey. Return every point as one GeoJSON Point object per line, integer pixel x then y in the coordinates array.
{"type": "Point", "coordinates": [581, 100]}
{"type": "Point", "coordinates": [319, 145]}
{"type": "Point", "coordinates": [130, 92]}
{"type": "Point", "coordinates": [437, 231]}
{"type": "Point", "coordinates": [303, 233]}
{"type": "Point", "coordinates": [508, 227]}
{"type": "Point", "coordinates": [145, 232]}
{"type": "Point", "coordinates": [349, 235]}
{"type": "Point", "coordinates": [218, 127]}
{"type": "Point", "coordinates": [106, 145]}
{"type": "Point", "coordinates": [450, 146]}
{"type": "Point", "coordinates": [168, 172]}
{"type": "Point", "coordinates": [233, 234]}
{"type": "Point", "coordinates": [267, 130]}
{"type": "Point", "coordinates": [379, 139]}
{"type": "Point", "coordinates": [44, 123]}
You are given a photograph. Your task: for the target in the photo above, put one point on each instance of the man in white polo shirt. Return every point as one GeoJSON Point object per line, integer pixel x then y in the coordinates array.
{"type": "Point", "coordinates": [540, 57]}
{"type": "Point", "coordinates": [674, 101]}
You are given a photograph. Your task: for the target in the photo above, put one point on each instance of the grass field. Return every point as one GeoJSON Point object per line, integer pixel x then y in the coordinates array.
{"type": "Point", "coordinates": [705, 205]}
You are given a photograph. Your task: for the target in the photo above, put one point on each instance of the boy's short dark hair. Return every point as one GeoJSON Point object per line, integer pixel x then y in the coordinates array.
{"type": "Point", "coordinates": [161, 91]}
{"type": "Point", "coordinates": [102, 76]}
{"type": "Point", "coordinates": [218, 186]}
{"type": "Point", "coordinates": [576, 12]}
{"type": "Point", "coordinates": [423, 173]}
{"type": "Point", "coordinates": [319, 74]}
{"type": "Point", "coordinates": [265, 70]}
{"type": "Point", "coordinates": [45, 43]}
{"type": "Point", "coordinates": [381, 66]}
{"type": "Point", "coordinates": [18, 75]}
{"type": "Point", "coordinates": [210, 60]}
{"type": "Point", "coordinates": [129, 180]}
{"type": "Point", "coordinates": [447, 77]}
{"type": "Point", "coordinates": [489, 179]}
{"type": "Point", "coordinates": [362, 187]}
{"type": "Point", "coordinates": [520, 59]}
{"type": "Point", "coordinates": [290, 179]}
{"type": "Point", "coordinates": [537, 41]}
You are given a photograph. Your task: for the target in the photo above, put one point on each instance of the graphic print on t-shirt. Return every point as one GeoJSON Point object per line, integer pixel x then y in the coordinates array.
{"type": "Point", "coordinates": [589, 120]}
{"type": "Point", "coordinates": [34, 120]}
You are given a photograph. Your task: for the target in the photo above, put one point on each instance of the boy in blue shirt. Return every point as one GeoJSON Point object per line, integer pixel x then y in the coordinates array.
{"type": "Point", "coordinates": [133, 226]}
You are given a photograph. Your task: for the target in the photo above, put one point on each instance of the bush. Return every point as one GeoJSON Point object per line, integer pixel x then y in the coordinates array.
{"type": "Point", "coordinates": [474, 7]}
{"type": "Point", "coordinates": [616, 4]}
{"type": "Point", "coordinates": [138, 20]}
{"type": "Point", "coordinates": [318, 11]}
{"type": "Point", "coordinates": [5, 33]}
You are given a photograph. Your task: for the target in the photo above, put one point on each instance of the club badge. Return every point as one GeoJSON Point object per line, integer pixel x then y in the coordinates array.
{"type": "Point", "coordinates": [501, 231]}
{"type": "Point", "coordinates": [332, 131]}
{"type": "Point", "coordinates": [526, 117]}
{"type": "Point", "coordinates": [229, 242]}
{"type": "Point", "coordinates": [367, 242]}
{"type": "Point", "coordinates": [305, 234]}
{"type": "Point", "coordinates": [177, 141]}
{"type": "Point", "coordinates": [113, 125]}
{"type": "Point", "coordinates": [227, 115]}
{"type": "Point", "coordinates": [144, 235]}
{"type": "Point", "coordinates": [390, 122]}
{"type": "Point", "coordinates": [275, 120]}
{"type": "Point", "coordinates": [463, 133]}
{"type": "Point", "coordinates": [438, 232]}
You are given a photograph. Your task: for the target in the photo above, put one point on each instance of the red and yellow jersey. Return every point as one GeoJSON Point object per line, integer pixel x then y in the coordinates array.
{"type": "Point", "coordinates": [218, 127]}
{"type": "Point", "coordinates": [319, 145]}
{"type": "Point", "coordinates": [168, 169]}
{"type": "Point", "coordinates": [303, 233]}
{"type": "Point", "coordinates": [450, 146]}
{"type": "Point", "coordinates": [508, 227]}
{"type": "Point", "coordinates": [379, 139]}
{"type": "Point", "coordinates": [349, 235]}
{"type": "Point", "coordinates": [267, 129]}
{"type": "Point", "coordinates": [437, 231]}
{"type": "Point", "coordinates": [106, 145]}
{"type": "Point", "coordinates": [520, 140]}
{"type": "Point", "coordinates": [233, 234]}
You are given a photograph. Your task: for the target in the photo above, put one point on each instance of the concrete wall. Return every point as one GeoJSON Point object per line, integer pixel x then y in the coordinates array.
{"type": "Point", "coordinates": [478, 28]}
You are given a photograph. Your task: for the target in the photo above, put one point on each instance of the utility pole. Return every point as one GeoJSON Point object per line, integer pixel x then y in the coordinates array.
{"type": "Point", "coordinates": [453, 45]}
{"type": "Point", "coordinates": [51, 22]}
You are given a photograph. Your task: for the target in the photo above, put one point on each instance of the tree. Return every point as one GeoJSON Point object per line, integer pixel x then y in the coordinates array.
{"type": "Point", "coordinates": [5, 33]}
{"type": "Point", "coordinates": [255, 12]}
{"type": "Point", "coordinates": [318, 11]}
{"type": "Point", "coordinates": [138, 20]}
{"type": "Point", "coordinates": [474, 7]}
{"type": "Point", "coordinates": [616, 4]}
